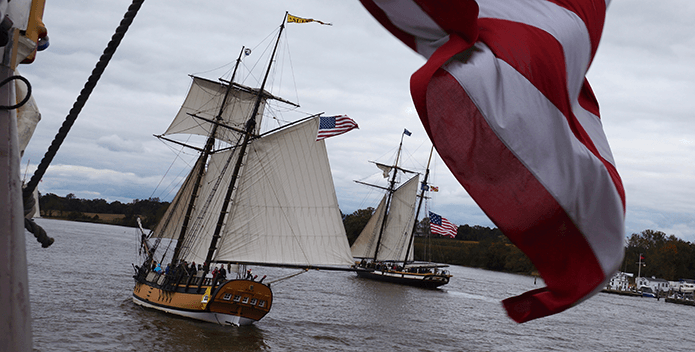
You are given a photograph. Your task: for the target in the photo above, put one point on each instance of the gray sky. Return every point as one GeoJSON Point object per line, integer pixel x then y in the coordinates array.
{"type": "Point", "coordinates": [643, 77]}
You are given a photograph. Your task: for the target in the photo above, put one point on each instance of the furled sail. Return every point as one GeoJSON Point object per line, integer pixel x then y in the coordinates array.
{"type": "Point", "coordinates": [204, 100]}
{"type": "Point", "coordinates": [399, 225]}
{"type": "Point", "coordinates": [284, 210]}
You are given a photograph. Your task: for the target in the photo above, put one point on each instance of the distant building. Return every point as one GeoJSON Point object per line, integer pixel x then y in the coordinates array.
{"type": "Point", "coordinates": [657, 285]}
{"type": "Point", "coordinates": [683, 286]}
{"type": "Point", "coordinates": [620, 281]}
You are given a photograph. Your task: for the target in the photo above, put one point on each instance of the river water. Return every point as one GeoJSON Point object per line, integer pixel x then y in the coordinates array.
{"type": "Point", "coordinates": [81, 301]}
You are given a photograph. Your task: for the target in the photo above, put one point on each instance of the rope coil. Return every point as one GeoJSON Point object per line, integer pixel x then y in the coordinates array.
{"type": "Point", "coordinates": [26, 98]}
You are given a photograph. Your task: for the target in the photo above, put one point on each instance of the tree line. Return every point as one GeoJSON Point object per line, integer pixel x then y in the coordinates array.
{"type": "Point", "coordinates": [666, 257]}
{"type": "Point", "coordinates": [663, 256]}
{"type": "Point", "coordinates": [72, 208]}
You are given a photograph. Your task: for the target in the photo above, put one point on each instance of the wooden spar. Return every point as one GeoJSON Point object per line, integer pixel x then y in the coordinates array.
{"type": "Point", "coordinates": [201, 169]}
{"type": "Point", "coordinates": [250, 125]}
{"type": "Point", "coordinates": [388, 200]}
{"type": "Point", "coordinates": [417, 212]}
{"type": "Point", "coordinates": [15, 306]}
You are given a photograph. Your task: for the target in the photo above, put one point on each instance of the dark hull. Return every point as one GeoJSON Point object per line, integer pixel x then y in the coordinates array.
{"type": "Point", "coordinates": [428, 280]}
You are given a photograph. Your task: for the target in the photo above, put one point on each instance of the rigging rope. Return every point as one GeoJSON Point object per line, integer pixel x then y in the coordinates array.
{"type": "Point", "coordinates": [76, 108]}
{"type": "Point", "coordinates": [288, 277]}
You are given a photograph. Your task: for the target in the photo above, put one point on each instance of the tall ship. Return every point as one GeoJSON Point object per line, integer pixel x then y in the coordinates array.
{"type": "Point", "coordinates": [384, 248]}
{"type": "Point", "coordinates": [252, 198]}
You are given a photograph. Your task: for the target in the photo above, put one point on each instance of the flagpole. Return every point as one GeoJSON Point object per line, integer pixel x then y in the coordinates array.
{"type": "Point", "coordinates": [417, 212]}
{"type": "Point", "coordinates": [388, 200]}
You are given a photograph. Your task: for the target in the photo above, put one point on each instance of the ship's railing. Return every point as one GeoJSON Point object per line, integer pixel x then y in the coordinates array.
{"type": "Point", "coordinates": [172, 280]}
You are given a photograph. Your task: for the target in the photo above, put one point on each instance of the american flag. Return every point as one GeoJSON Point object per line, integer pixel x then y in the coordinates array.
{"type": "Point", "coordinates": [442, 226]}
{"type": "Point", "coordinates": [504, 98]}
{"type": "Point", "coordinates": [330, 126]}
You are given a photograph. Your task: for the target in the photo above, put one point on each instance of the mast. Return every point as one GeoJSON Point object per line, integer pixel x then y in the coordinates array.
{"type": "Point", "coordinates": [392, 184]}
{"type": "Point", "coordinates": [203, 159]}
{"type": "Point", "coordinates": [417, 212]}
{"type": "Point", "coordinates": [250, 126]}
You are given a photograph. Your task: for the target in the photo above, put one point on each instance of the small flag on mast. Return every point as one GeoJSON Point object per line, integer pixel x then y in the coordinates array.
{"type": "Point", "coordinates": [295, 19]}
{"type": "Point", "coordinates": [330, 126]}
{"type": "Point", "coordinates": [406, 132]}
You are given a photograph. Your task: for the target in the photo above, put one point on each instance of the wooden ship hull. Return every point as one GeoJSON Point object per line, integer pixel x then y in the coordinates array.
{"type": "Point", "coordinates": [232, 302]}
{"type": "Point", "coordinates": [423, 280]}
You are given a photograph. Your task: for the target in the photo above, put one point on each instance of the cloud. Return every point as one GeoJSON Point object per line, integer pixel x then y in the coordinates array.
{"type": "Point", "coordinates": [114, 143]}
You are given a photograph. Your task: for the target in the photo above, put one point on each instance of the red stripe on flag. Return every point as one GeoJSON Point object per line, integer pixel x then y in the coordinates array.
{"type": "Point", "coordinates": [514, 200]}
{"type": "Point", "coordinates": [519, 45]}
{"type": "Point", "coordinates": [454, 16]}
{"type": "Point", "coordinates": [587, 99]}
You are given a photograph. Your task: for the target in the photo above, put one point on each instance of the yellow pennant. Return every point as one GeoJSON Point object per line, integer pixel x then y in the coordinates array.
{"type": "Point", "coordinates": [295, 19]}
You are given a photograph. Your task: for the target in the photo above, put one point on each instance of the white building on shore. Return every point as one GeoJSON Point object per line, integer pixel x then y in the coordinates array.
{"type": "Point", "coordinates": [620, 281]}
{"type": "Point", "coordinates": [657, 285]}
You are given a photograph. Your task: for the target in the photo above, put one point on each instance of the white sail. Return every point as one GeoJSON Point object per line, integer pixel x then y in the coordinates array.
{"type": "Point", "coordinates": [365, 244]}
{"type": "Point", "coordinates": [213, 189]}
{"type": "Point", "coordinates": [284, 210]}
{"type": "Point", "coordinates": [204, 100]}
{"type": "Point", "coordinates": [36, 212]}
{"type": "Point", "coordinates": [170, 224]}
{"type": "Point", "coordinates": [400, 222]}
{"type": "Point", "coordinates": [399, 226]}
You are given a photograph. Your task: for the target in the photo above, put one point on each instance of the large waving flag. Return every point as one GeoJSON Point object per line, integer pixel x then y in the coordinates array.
{"type": "Point", "coordinates": [504, 99]}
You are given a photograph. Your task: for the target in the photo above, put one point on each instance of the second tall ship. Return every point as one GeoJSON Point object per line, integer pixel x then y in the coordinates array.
{"type": "Point", "coordinates": [384, 248]}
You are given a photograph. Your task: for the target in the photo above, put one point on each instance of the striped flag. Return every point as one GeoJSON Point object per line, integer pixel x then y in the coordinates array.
{"type": "Point", "coordinates": [504, 99]}
{"type": "Point", "coordinates": [442, 226]}
{"type": "Point", "coordinates": [330, 126]}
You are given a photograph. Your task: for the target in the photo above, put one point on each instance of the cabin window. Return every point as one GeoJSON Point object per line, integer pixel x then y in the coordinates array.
{"type": "Point", "coordinates": [237, 298]}
{"type": "Point", "coordinates": [261, 304]}
{"type": "Point", "coordinates": [245, 300]}
{"type": "Point", "coordinates": [253, 301]}
{"type": "Point", "coordinates": [227, 296]}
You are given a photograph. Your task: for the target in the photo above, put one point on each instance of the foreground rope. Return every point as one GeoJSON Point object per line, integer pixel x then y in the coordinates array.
{"type": "Point", "coordinates": [28, 190]}
{"type": "Point", "coordinates": [84, 95]}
